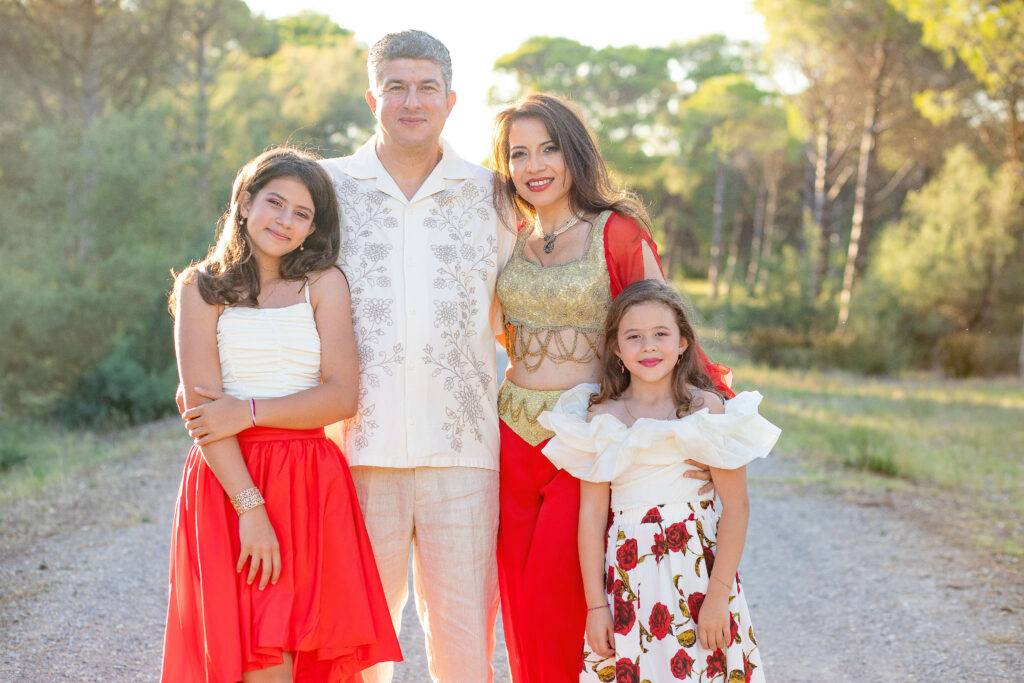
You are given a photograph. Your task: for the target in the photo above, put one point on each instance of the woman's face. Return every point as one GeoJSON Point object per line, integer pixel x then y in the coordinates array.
{"type": "Point", "coordinates": [537, 166]}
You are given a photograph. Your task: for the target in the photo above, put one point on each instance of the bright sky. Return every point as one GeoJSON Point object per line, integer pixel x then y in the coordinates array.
{"type": "Point", "coordinates": [477, 32]}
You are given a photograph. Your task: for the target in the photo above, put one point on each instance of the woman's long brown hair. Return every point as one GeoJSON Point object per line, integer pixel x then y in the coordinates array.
{"type": "Point", "coordinates": [688, 371]}
{"type": "Point", "coordinates": [229, 275]}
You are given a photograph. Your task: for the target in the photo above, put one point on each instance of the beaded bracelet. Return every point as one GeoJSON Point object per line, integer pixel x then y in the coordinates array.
{"type": "Point", "coordinates": [247, 499]}
{"type": "Point", "coordinates": [252, 410]}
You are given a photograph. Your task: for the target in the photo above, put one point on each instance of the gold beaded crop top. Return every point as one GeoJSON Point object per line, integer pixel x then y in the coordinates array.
{"type": "Point", "coordinates": [540, 302]}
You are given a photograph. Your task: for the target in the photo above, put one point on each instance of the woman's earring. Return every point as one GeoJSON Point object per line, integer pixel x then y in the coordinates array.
{"type": "Point", "coordinates": [679, 359]}
{"type": "Point", "coordinates": [622, 367]}
{"type": "Point", "coordinates": [302, 246]}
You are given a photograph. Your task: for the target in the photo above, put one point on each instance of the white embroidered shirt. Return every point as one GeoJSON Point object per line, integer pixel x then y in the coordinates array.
{"type": "Point", "coordinates": [422, 274]}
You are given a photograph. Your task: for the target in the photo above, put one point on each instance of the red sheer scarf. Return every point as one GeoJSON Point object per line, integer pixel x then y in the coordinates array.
{"type": "Point", "coordinates": [623, 250]}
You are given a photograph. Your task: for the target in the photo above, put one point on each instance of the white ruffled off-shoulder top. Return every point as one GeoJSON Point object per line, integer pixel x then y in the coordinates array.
{"type": "Point", "coordinates": [645, 462]}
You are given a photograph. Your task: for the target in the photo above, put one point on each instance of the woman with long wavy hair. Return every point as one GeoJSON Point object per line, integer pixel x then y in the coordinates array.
{"type": "Point", "coordinates": [581, 241]}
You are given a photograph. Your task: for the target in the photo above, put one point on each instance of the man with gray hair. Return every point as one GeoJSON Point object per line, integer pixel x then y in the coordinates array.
{"type": "Point", "coordinates": [421, 248]}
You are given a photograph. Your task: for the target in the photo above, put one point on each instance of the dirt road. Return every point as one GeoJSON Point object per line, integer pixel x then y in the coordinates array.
{"type": "Point", "coordinates": [838, 591]}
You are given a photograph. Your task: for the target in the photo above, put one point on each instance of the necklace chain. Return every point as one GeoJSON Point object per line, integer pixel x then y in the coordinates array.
{"type": "Point", "coordinates": [549, 237]}
{"type": "Point", "coordinates": [635, 418]}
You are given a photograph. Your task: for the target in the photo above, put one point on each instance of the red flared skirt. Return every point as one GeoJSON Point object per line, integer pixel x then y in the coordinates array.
{"type": "Point", "coordinates": [327, 608]}
{"type": "Point", "coordinates": [543, 607]}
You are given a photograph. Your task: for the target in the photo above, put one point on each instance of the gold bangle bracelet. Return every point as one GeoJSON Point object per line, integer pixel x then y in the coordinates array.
{"type": "Point", "coordinates": [247, 499]}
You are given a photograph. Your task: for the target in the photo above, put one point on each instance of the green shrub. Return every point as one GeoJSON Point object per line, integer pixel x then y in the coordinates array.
{"type": "Point", "coordinates": [967, 354]}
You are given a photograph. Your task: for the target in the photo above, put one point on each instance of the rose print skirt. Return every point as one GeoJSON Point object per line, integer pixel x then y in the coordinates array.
{"type": "Point", "coordinates": [659, 561]}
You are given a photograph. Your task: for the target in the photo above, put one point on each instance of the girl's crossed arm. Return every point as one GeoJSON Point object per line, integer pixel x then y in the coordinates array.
{"type": "Point", "coordinates": [195, 343]}
{"type": "Point", "coordinates": [333, 400]}
{"type": "Point", "coordinates": [592, 535]}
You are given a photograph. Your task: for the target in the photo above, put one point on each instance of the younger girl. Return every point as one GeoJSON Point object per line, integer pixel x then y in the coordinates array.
{"type": "Point", "coordinates": [272, 576]}
{"type": "Point", "coordinates": [662, 594]}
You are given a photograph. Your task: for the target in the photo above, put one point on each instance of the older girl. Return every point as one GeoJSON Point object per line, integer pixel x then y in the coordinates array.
{"type": "Point", "coordinates": [272, 576]}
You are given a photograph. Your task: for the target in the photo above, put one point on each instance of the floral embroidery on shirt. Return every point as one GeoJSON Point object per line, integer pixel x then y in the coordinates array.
{"type": "Point", "coordinates": [463, 265]}
{"type": "Point", "coordinates": [364, 259]}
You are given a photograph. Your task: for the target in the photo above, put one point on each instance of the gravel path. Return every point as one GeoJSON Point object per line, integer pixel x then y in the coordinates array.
{"type": "Point", "coordinates": [838, 591]}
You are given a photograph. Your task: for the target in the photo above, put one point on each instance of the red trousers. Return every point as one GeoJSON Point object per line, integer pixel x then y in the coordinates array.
{"type": "Point", "coordinates": [543, 608]}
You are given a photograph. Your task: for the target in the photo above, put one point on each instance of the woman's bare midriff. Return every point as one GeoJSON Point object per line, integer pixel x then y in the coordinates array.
{"type": "Point", "coordinates": [548, 374]}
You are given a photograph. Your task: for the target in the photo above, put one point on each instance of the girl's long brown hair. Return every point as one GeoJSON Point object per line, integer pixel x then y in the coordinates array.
{"type": "Point", "coordinates": [688, 371]}
{"type": "Point", "coordinates": [229, 274]}
{"type": "Point", "coordinates": [592, 190]}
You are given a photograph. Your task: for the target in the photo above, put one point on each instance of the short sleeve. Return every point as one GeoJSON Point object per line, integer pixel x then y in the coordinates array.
{"type": "Point", "coordinates": [623, 251]}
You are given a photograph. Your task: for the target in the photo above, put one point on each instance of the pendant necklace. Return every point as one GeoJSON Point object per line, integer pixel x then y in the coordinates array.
{"type": "Point", "coordinates": [549, 237]}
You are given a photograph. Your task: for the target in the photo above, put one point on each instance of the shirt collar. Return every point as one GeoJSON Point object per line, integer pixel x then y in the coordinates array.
{"type": "Point", "coordinates": [366, 165]}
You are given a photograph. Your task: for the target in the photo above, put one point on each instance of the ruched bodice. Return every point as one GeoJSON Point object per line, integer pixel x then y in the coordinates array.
{"type": "Point", "coordinates": [268, 352]}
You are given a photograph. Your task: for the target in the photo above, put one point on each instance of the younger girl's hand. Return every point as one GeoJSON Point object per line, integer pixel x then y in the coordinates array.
{"type": "Point", "coordinates": [601, 632]}
{"type": "Point", "coordinates": [259, 546]}
{"type": "Point", "coordinates": [222, 417]}
{"type": "Point", "coordinates": [713, 624]}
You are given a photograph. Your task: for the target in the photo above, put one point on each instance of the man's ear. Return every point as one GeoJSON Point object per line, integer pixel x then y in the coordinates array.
{"type": "Point", "coordinates": [371, 100]}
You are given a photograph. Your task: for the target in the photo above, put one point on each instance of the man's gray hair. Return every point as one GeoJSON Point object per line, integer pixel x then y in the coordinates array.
{"type": "Point", "coordinates": [410, 44]}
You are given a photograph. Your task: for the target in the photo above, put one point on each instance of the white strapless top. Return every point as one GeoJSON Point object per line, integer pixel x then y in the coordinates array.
{"type": "Point", "coordinates": [644, 462]}
{"type": "Point", "coordinates": [268, 352]}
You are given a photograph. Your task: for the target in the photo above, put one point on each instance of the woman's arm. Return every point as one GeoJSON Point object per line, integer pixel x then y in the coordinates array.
{"type": "Point", "coordinates": [714, 622]}
{"type": "Point", "coordinates": [592, 538]}
{"type": "Point", "coordinates": [333, 400]}
{"type": "Point", "coordinates": [195, 343]}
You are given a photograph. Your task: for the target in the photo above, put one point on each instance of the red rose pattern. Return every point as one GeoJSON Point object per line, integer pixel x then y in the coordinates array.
{"type": "Point", "coordinates": [660, 624]}
{"type": "Point", "coordinates": [626, 555]}
{"type": "Point", "coordinates": [716, 664]}
{"type": "Point", "coordinates": [676, 536]}
{"type": "Point", "coordinates": [694, 601]}
{"type": "Point", "coordinates": [649, 638]}
{"type": "Point", "coordinates": [625, 616]}
{"type": "Point", "coordinates": [681, 664]}
{"type": "Point", "coordinates": [626, 671]}
{"type": "Point", "coordinates": [653, 516]}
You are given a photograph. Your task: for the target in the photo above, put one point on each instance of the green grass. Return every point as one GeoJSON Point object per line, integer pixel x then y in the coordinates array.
{"type": "Point", "coordinates": [35, 455]}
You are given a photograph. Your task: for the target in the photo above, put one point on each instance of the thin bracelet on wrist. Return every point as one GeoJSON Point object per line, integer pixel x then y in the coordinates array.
{"type": "Point", "coordinates": [252, 410]}
{"type": "Point", "coordinates": [727, 585]}
{"type": "Point", "coordinates": [246, 500]}
{"type": "Point", "coordinates": [591, 609]}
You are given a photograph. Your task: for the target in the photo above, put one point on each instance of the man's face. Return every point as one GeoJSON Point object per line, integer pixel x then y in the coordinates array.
{"type": "Point", "coordinates": [410, 103]}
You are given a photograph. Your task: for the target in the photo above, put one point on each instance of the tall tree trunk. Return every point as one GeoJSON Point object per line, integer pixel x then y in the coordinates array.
{"type": "Point", "coordinates": [203, 114]}
{"type": "Point", "coordinates": [90, 108]}
{"type": "Point", "coordinates": [757, 237]}
{"type": "Point", "coordinates": [716, 229]}
{"type": "Point", "coordinates": [734, 252]}
{"type": "Point", "coordinates": [770, 211]}
{"type": "Point", "coordinates": [861, 224]}
{"type": "Point", "coordinates": [821, 156]}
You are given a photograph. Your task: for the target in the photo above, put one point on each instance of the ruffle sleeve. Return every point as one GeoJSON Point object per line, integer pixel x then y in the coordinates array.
{"type": "Point", "coordinates": [587, 450]}
{"type": "Point", "coordinates": [726, 440]}
{"type": "Point", "coordinates": [604, 448]}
